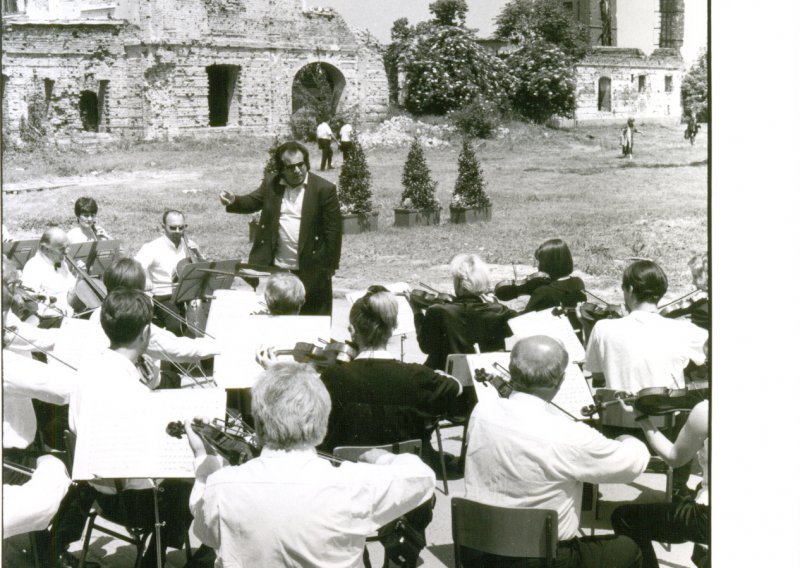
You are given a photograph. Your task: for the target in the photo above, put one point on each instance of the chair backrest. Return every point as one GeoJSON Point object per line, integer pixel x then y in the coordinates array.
{"type": "Point", "coordinates": [504, 531]}
{"type": "Point", "coordinates": [352, 453]}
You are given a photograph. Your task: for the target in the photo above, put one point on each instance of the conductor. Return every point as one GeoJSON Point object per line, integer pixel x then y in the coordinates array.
{"type": "Point", "coordinates": [301, 225]}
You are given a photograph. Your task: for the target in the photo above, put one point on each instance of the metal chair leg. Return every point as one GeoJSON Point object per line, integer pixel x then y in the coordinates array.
{"type": "Point", "coordinates": [441, 459]}
{"type": "Point", "coordinates": [85, 551]}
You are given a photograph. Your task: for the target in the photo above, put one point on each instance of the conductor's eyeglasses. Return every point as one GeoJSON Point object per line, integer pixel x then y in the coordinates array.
{"type": "Point", "coordinates": [298, 166]}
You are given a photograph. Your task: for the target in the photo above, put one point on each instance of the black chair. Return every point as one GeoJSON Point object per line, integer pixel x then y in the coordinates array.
{"type": "Point", "coordinates": [504, 531]}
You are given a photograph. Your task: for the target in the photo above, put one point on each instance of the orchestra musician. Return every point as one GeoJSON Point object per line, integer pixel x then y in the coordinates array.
{"type": "Point", "coordinates": [695, 306]}
{"type": "Point", "coordinates": [474, 315]}
{"type": "Point", "coordinates": [289, 506]}
{"type": "Point", "coordinates": [160, 258]}
{"type": "Point", "coordinates": [523, 452]}
{"type": "Point", "coordinates": [23, 305]}
{"type": "Point", "coordinates": [301, 225]}
{"type": "Point", "coordinates": [47, 273]}
{"type": "Point", "coordinates": [87, 228]}
{"type": "Point", "coordinates": [643, 349]}
{"type": "Point", "coordinates": [679, 520]}
{"type": "Point", "coordinates": [284, 294]}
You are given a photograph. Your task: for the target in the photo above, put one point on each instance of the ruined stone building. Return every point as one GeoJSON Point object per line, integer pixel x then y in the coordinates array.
{"type": "Point", "coordinates": [159, 68]}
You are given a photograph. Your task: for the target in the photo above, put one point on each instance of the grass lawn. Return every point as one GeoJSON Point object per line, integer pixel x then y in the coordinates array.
{"type": "Point", "coordinates": [543, 183]}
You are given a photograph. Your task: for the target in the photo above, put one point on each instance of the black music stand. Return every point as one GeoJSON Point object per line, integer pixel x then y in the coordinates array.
{"type": "Point", "coordinates": [96, 255]}
{"type": "Point", "coordinates": [20, 252]}
{"type": "Point", "coordinates": [198, 280]}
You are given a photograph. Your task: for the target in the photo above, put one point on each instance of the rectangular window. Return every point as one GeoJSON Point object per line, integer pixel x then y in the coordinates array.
{"type": "Point", "coordinates": [221, 86]}
{"type": "Point", "coordinates": [12, 7]}
{"type": "Point", "coordinates": [668, 83]}
{"type": "Point", "coordinates": [642, 83]}
{"type": "Point", "coordinates": [48, 94]}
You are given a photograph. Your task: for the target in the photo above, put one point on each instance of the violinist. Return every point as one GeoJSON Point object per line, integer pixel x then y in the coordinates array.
{"type": "Point", "coordinates": [87, 229]}
{"type": "Point", "coordinates": [22, 317]}
{"type": "Point", "coordinates": [694, 306]}
{"type": "Point", "coordinates": [474, 316]}
{"type": "Point", "coordinates": [643, 349]}
{"type": "Point", "coordinates": [284, 294]}
{"type": "Point", "coordinates": [288, 506]}
{"type": "Point", "coordinates": [679, 520]}
{"type": "Point", "coordinates": [47, 272]}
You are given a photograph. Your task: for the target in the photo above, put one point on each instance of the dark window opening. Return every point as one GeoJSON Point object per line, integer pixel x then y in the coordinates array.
{"type": "Point", "coordinates": [48, 94]}
{"type": "Point", "coordinates": [568, 7]}
{"type": "Point", "coordinates": [604, 94]}
{"type": "Point", "coordinates": [89, 111]}
{"type": "Point", "coordinates": [221, 85]}
{"type": "Point", "coordinates": [642, 83]}
{"type": "Point", "coordinates": [668, 83]}
{"type": "Point", "coordinates": [11, 6]}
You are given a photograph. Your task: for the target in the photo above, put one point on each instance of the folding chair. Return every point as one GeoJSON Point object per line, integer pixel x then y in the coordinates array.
{"type": "Point", "coordinates": [504, 531]}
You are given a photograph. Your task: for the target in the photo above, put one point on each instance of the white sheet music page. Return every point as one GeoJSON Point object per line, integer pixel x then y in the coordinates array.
{"type": "Point", "coordinates": [545, 323]}
{"type": "Point", "coordinates": [127, 438]}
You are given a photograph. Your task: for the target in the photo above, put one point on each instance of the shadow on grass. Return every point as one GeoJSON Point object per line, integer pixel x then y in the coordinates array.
{"type": "Point", "coordinates": [694, 164]}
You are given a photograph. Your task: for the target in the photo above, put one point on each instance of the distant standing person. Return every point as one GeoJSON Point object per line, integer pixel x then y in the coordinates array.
{"type": "Point", "coordinates": [691, 128]}
{"type": "Point", "coordinates": [627, 138]}
{"type": "Point", "coordinates": [346, 140]}
{"type": "Point", "coordinates": [324, 138]}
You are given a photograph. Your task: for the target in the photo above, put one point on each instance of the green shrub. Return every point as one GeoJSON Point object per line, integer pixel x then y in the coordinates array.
{"type": "Point", "coordinates": [694, 89]}
{"type": "Point", "coordinates": [419, 190]}
{"type": "Point", "coordinates": [355, 179]}
{"type": "Point", "coordinates": [478, 119]}
{"type": "Point", "coordinates": [470, 188]}
{"type": "Point", "coordinates": [304, 125]}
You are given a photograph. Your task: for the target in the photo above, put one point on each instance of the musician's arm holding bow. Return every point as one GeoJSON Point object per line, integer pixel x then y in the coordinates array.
{"type": "Point", "coordinates": [31, 506]}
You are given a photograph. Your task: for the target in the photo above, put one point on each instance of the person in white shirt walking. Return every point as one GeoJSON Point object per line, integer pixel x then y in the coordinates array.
{"type": "Point", "coordinates": [346, 140]}
{"type": "Point", "coordinates": [290, 507]}
{"type": "Point", "coordinates": [324, 139]}
{"type": "Point", "coordinates": [523, 452]}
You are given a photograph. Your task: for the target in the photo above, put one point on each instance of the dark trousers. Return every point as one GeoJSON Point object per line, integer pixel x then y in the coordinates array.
{"type": "Point", "coordinates": [588, 552]}
{"type": "Point", "coordinates": [170, 377]}
{"type": "Point", "coordinates": [684, 521]}
{"type": "Point", "coordinates": [327, 153]}
{"type": "Point", "coordinates": [346, 148]}
{"type": "Point", "coordinates": [319, 293]}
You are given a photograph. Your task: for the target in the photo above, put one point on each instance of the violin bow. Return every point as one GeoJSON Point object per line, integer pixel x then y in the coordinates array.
{"type": "Point", "coordinates": [499, 367]}
{"type": "Point", "coordinates": [39, 349]}
{"type": "Point", "coordinates": [598, 298]}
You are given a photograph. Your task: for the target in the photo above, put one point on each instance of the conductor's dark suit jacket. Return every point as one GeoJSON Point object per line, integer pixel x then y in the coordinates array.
{"type": "Point", "coordinates": [320, 241]}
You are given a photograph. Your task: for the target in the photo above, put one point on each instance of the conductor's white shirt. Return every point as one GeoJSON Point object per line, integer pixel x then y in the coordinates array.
{"type": "Point", "coordinates": [296, 509]}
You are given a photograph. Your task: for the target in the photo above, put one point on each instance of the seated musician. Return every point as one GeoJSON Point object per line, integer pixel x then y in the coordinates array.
{"type": "Point", "coordinates": [686, 520]}
{"type": "Point", "coordinates": [376, 398]}
{"type": "Point", "coordinates": [643, 349]}
{"type": "Point", "coordinates": [284, 294]}
{"type": "Point", "coordinates": [474, 317]}
{"type": "Point", "coordinates": [31, 506]}
{"type": "Point", "coordinates": [28, 337]}
{"type": "Point", "coordinates": [87, 228]}
{"type": "Point", "coordinates": [48, 273]}
{"type": "Point", "coordinates": [523, 452]}
{"type": "Point", "coordinates": [289, 506]}
{"type": "Point", "coordinates": [695, 306]}
{"type": "Point", "coordinates": [119, 372]}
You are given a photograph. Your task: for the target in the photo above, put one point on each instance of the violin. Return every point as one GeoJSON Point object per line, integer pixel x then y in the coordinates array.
{"type": "Point", "coordinates": [511, 289]}
{"type": "Point", "coordinates": [684, 305]}
{"type": "Point", "coordinates": [503, 388]}
{"type": "Point", "coordinates": [27, 302]}
{"type": "Point", "coordinates": [89, 291]}
{"type": "Point", "coordinates": [424, 299]}
{"type": "Point", "coordinates": [322, 357]}
{"type": "Point", "coordinates": [654, 401]}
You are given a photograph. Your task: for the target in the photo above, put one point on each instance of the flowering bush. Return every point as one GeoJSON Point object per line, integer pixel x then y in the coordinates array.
{"type": "Point", "coordinates": [478, 119]}
{"type": "Point", "coordinates": [419, 189]}
{"type": "Point", "coordinates": [400, 131]}
{"type": "Point", "coordinates": [446, 69]}
{"type": "Point", "coordinates": [355, 195]}
{"type": "Point", "coordinates": [546, 85]}
{"type": "Point", "coordinates": [470, 188]}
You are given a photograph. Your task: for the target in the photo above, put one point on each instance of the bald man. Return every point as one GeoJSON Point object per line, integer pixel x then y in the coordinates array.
{"type": "Point", "coordinates": [47, 272]}
{"type": "Point", "coordinates": [523, 452]}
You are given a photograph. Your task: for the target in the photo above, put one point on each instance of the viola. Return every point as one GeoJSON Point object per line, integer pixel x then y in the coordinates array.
{"type": "Point", "coordinates": [655, 401]}
{"type": "Point", "coordinates": [511, 289]}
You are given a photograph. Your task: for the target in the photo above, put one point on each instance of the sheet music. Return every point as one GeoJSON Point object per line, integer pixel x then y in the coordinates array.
{"type": "Point", "coordinates": [545, 323]}
{"type": "Point", "coordinates": [126, 438]}
{"type": "Point", "coordinates": [79, 339]}
{"type": "Point", "coordinates": [405, 315]}
{"type": "Point", "coordinates": [240, 336]}
{"type": "Point", "coordinates": [231, 304]}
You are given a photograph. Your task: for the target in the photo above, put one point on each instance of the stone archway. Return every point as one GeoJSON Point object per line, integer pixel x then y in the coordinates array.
{"type": "Point", "coordinates": [318, 85]}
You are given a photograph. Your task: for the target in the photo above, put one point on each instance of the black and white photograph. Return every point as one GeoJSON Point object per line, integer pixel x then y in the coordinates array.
{"type": "Point", "coordinates": [355, 283]}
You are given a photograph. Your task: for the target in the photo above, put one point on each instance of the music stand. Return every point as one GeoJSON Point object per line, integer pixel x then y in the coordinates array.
{"type": "Point", "coordinates": [96, 255]}
{"type": "Point", "coordinates": [198, 280]}
{"type": "Point", "coordinates": [20, 252]}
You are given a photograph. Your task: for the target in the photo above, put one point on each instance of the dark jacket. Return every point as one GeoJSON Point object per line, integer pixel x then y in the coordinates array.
{"type": "Point", "coordinates": [320, 241]}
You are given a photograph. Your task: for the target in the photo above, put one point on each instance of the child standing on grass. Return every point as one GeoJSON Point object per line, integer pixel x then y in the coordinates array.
{"type": "Point", "coordinates": [626, 138]}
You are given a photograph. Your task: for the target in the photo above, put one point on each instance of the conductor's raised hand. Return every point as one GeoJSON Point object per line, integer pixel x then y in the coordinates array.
{"type": "Point", "coordinates": [226, 198]}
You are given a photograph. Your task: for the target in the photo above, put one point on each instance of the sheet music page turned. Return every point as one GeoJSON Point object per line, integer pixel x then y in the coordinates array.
{"type": "Point", "coordinates": [127, 438]}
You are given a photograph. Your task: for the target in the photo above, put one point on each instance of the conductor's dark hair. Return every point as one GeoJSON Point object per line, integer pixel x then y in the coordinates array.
{"type": "Point", "coordinates": [85, 205]}
{"type": "Point", "coordinates": [169, 211]}
{"type": "Point", "coordinates": [291, 146]}
{"type": "Point", "coordinates": [647, 280]}
{"type": "Point", "coordinates": [124, 272]}
{"type": "Point", "coordinates": [554, 258]}
{"type": "Point", "coordinates": [124, 314]}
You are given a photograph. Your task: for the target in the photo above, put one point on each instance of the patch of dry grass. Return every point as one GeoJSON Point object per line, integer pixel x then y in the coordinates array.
{"type": "Point", "coordinates": [543, 183]}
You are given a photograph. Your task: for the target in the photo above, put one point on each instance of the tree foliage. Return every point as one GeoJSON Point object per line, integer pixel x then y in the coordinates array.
{"type": "Point", "coordinates": [694, 90]}
{"type": "Point", "coordinates": [470, 188]}
{"type": "Point", "coordinates": [419, 190]}
{"type": "Point", "coordinates": [402, 35]}
{"type": "Point", "coordinates": [522, 20]}
{"type": "Point", "coordinates": [449, 12]}
{"type": "Point", "coordinates": [545, 81]}
{"type": "Point", "coordinates": [355, 180]}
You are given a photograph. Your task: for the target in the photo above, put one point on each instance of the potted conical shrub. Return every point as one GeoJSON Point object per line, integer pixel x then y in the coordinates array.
{"type": "Point", "coordinates": [418, 204]}
{"type": "Point", "coordinates": [355, 193]}
{"type": "Point", "coordinates": [470, 202]}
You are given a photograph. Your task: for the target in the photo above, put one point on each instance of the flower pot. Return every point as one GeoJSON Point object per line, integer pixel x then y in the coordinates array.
{"type": "Point", "coordinates": [470, 214]}
{"type": "Point", "coordinates": [355, 223]}
{"type": "Point", "coordinates": [416, 217]}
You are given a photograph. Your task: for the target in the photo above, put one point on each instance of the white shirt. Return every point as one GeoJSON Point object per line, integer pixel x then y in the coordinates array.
{"type": "Point", "coordinates": [345, 133]}
{"type": "Point", "coordinates": [76, 235]}
{"type": "Point", "coordinates": [31, 506]}
{"type": "Point", "coordinates": [297, 509]}
{"type": "Point", "coordinates": [522, 452]}
{"type": "Point", "coordinates": [324, 131]}
{"type": "Point", "coordinates": [644, 349]}
{"type": "Point", "coordinates": [42, 339]}
{"type": "Point", "coordinates": [289, 225]}
{"type": "Point", "coordinates": [23, 380]}
{"type": "Point", "coordinates": [41, 275]}
{"type": "Point", "coordinates": [159, 258]}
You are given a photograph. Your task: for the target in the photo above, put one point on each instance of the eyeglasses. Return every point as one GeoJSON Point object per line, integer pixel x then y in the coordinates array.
{"type": "Point", "coordinates": [297, 166]}
{"type": "Point", "coordinates": [177, 227]}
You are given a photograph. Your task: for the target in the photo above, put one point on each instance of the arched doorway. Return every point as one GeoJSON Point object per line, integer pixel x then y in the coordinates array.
{"type": "Point", "coordinates": [318, 87]}
{"type": "Point", "coordinates": [89, 109]}
{"type": "Point", "coordinates": [604, 94]}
